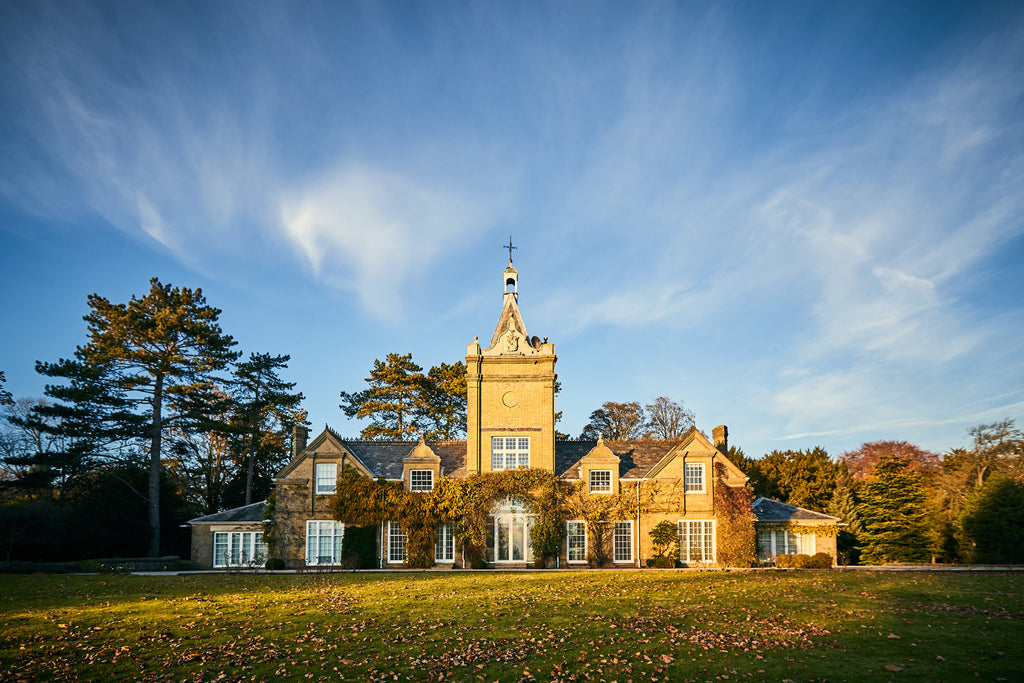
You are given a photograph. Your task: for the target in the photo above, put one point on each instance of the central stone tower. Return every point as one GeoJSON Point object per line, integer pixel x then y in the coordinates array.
{"type": "Point", "coordinates": [510, 391]}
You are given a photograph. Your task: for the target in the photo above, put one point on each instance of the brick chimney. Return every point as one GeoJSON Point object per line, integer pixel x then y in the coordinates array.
{"type": "Point", "coordinates": [299, 436]}
{"type": "Point", "coordinates": [721, 436]}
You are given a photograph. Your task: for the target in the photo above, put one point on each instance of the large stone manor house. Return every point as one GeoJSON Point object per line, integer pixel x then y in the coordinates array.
{"type": "Point", "coordinates": [510, 424]}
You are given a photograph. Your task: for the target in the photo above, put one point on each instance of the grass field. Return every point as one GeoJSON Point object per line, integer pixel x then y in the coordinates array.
{"type": "Point", "coordinates": [571, 626]}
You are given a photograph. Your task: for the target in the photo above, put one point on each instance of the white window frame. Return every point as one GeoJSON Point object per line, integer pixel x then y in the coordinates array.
{"type": "Point", "coordinates": [693, 477]}
{"type": "Point", "coordinates": [622, 541]}
{"type": "Point", "coordinates": [581, 532]}
{"type": "Point", "coordinates": [325, 472]}
{"type": "Point", "coordinates": [421, 486]}
{"type": "Point", "coordinates": [239, 549]}
{"type": "Point", "coordinates": [708, 533]}
{"type": "Point", "coordinates": [444, 543]}
{"type": "Point", "coordinates": [510, 453]}
{"type": "Point", "coordinates": [321, 533]}
{"type": "Point", "coordinates": [784, 541]}
{"type": "Point", "coordinates": [601, 486]}
{"type": "Point", "coordinates": [512, 519]}
{"type": "Point", "coordinates": [397, 543]}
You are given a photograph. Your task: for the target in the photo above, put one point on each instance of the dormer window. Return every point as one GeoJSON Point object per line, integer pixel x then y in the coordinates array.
{"type": "Point", "coordinates": [600, 481]}
{"type": "Point", "coordinates": [421, 480]}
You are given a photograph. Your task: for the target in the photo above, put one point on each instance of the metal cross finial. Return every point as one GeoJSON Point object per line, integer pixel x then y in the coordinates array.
{"type": "Point", "coordinates": [510, 248]}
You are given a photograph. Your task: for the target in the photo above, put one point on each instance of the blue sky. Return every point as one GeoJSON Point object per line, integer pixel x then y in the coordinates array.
{"type": "Point", "coordinates": [803, 219]}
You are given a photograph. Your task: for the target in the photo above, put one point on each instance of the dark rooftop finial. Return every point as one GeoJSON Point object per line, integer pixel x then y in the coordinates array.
{"type": "Point", "coordinates": [510, 248]}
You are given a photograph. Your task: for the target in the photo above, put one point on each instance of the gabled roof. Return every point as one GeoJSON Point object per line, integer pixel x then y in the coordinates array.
{"type": "Point", "coordinates": [336, 445]}
{"type": "Point", "coordinates": [246, 513]}
{"type": "Point", "coordinates": [770, 510]}
{"type": "Point", "coordinates": [636, 458]}
{"type": "Point", "coordinates": [384, 458]}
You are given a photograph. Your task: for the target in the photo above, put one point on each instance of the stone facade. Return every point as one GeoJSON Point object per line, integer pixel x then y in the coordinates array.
{"type": "Point", "coordinates": [511, 424]}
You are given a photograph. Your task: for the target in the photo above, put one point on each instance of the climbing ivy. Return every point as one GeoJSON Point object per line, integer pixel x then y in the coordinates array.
{"type": "Point", "coordinates": [467, 505]}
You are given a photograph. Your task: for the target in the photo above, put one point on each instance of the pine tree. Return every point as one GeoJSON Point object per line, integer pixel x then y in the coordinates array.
{"type": "Point", "coordinates": [893, 512]}
{"type": "Point", "coordinates": [393, 401]}
{"type": "Point", "coordinates": [844, 506]}
{"type": "Point", "coordinates": [5, 396]}
{"type": "Point", "coordinates": [261, 402]}
{"type": "Point", "coordinates": [150, 365]}
{"type": "Point", "coordinates": [444, 405]}
{"type": "Point", "coordinates": [992, 522]}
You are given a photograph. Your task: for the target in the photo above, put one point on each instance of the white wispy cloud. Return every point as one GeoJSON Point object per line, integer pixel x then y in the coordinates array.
{"type": "Point", "coordinates": [375, 232]}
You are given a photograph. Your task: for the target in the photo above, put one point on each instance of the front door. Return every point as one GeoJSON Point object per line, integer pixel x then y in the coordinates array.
{"type": "Point", "coordinates": [512, 526]}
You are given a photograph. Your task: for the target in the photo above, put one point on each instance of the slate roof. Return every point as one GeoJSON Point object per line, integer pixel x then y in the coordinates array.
{"type": "Point", "coordinates": [769, 510]}
{"type": "Point", "coordinates": [384, 458]}
{"type": "Point", "coordinates": [246, 513]}
{"type": "Point", "coordinates": [637, 458]}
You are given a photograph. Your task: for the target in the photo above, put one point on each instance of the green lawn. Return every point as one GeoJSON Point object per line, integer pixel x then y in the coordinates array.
{"type": "Point", "coordinates": [572, 626]}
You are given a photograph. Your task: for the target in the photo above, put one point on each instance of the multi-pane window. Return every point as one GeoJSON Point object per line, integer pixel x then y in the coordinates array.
{"type": "Point", "coordinates": [697, 541]}
{"type": "Point", "coordinates": [576, 541]}
{"type": "Point", "coordinates": [600, 481]}
{"type": "Point", "coordinates": [510, 452]}
{"type": "Point", "coordinates": [693, 477]}
{"type": "Point", "coordinates": [323, 541]}
{"type": "Point", "coordinates": [444, 545]}
{"type": "Point", "coordinates": [396, 543]}
{"type": "Point", "coordinates": [622, 542]}
{"type": "Point", "coordinates": [238, 549]}
{"type": "Point", "coordinates": [326, 477]}
{"type": "Point", "coordinates": [421, 480]}
{"type": "Point", "coordinates": [774, 542]}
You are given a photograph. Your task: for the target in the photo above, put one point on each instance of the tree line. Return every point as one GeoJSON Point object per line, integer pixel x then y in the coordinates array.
{"type": "Point", "coordinates": [901, 503]}
{"type": "Point", "coordinates": [155, 418]}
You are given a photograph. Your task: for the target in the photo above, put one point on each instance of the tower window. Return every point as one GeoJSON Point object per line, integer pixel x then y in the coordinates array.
{"type": "Point", "coordinates": [510, 452]}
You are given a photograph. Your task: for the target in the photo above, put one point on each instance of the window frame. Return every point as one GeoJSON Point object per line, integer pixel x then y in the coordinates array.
{"type": "Point", "coordinates": [696, 482]}
{"type": "Point", "coordinates": [251, 549]}
{"type": "Point", "coordinates": [521, 450]}
{"type": "Point", "coordinates": [444, 540]}
{"type": "Point", "coordinates": [590, 481]}
{"type": "Point", "coordinates": [419, 488]}
{"type": "Point", "coordinates": [582, 559]}
{"type": "Point", "coordinates": [397, 539]}
{"type": "Point", "coordinates": [708, 540]}
{"type": "Point", "coordinates": [337, 535]}
{"type": "Point", "coordinates": [317, 478]}
{"type": "Point", "coordinates": [791, 540]}
{"type": "Point", "coordinates": [616, 538]}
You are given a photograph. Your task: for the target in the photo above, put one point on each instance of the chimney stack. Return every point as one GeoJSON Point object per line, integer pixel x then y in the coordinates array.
{"type": "Point", "coordinates": [721, 436]}
{"type": "Point", "coordinates": [299, 436]}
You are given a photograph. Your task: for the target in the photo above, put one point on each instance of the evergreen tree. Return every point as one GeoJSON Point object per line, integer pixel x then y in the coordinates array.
{"type": "Point", "coordinates": [892, 513]}
{"type": "Point", "coordinates": [393, 400]}
{"type": "Point", "coordinates": [844, 506]}
{"type": "Point", "coordinates": [150, 365]}
{"type": "Point", "coordinates": [444, 405]}
{"type": "Point", "coordinates": [262, 404]}
{"type": "Point", "coordinates": [992, 522]}
{"type": "Point", "coordinates": [804, 478]}
{"type": "Point", "coordinates": [5, 396]}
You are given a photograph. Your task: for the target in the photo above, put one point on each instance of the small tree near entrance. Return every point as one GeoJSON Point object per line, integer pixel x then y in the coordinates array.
{"type": "Point", "coordinates": [664, 544]}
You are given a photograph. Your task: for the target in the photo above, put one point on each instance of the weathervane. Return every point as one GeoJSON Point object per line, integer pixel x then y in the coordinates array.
{"type": "Point", "coordinates": [510, 248]}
